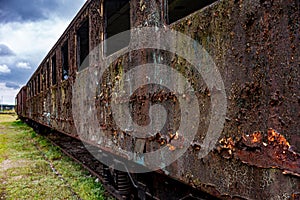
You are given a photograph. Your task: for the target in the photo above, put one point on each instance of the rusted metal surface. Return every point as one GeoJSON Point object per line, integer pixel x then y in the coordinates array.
{"type": "Point", "coordinates": [270, 151]}
{"type": "Point", "coordinates": [255, 45]}
{"type": "Point", "coordinates": [21, 102]}
{"type": "Point", "coordinates": [52, 106]}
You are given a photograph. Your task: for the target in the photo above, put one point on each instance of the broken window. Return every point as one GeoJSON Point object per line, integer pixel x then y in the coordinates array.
{"type": "Point", "coordinates": [65, 61]}
{"type": "Point", "coordinates": [178, 9]}
{"type": "Point", "coordinates": [83, 45]}
{"type": "Point", "coordinates": [117, 19]}
{"type": "Point", "coordinates": [53, 62]}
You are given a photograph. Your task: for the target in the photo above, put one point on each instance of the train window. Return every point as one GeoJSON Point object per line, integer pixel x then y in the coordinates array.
{"type": "Point", "coordinates": [65, 61]}
{"type": "Point", "coordinates": [31, 85]}
{"type": "Point", "coordinates": [42, 79]}
{"type": "Point", "coordinates": [178, 9]}
{"type": "Point", "coordinates": [83, 45]}
{"type": "Point", "coordinates": [34, 84]}
{"type": "Point", "coordinates": [48, 74]}
{"type": "Point", "coordinates": [39, 83]}
{"type": "Point", "coordinates": [117, 16]}
{"type": "Point", "coordinates": [30, 89]}
{"type": "Point", "coordinates": [53, 63]}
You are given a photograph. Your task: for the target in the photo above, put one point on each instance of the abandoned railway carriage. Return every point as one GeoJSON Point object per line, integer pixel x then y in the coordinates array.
{"type": "Point", "coordinates": [255, 47]}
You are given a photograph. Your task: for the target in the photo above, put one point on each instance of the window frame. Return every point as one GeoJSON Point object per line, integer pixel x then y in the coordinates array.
{"type": "Point", "coordinates": [65, 66]}
{"type": "Point", "coordinates": [54, 69]}
{"type": "Point", "coordinates": [83, 42]}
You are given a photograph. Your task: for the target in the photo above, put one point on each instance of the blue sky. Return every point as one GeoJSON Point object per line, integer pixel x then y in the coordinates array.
{"type": "Point", "coordinates": [28, 30]}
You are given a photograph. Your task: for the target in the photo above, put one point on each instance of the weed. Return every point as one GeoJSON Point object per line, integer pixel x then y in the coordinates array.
{"type": "Point", "coordinates": [25, 172]}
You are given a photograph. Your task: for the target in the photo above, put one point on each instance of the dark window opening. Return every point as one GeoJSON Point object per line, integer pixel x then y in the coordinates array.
{"type": "Point", "coordinates": [39, 83]}
{"type": "Point", "coordinates": [65, 61]}
{"type": "Point", "coordinates": [48, 75]}
{"type": "Point", "coordinates": [53, 62]}
{"type": "Point", "coordinates": [33, 93]}
{"type": "Point", "coordinates": [31, 85]}
{"type": "Point", "coordinates": [117, 16]}
{"type": "Point", "coordinates": [178, 9]}
{"type": "Point", "coordinates": [34, 87]}
{"type": "Point", "coordinates": [31, 90]}
{"type": "Point", "coordinates": [42, 79]}
{"type": "Point", "coordinates": [83, 45]}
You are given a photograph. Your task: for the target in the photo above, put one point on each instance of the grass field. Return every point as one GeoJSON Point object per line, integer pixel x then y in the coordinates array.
{"type": "Point", "coordinates": [31, 168]}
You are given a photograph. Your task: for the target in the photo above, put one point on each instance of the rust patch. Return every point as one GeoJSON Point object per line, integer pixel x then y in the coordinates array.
{"type": "Point", "coordinates": [264, 151]}
{"type": "Point", "coordinates": [295, 196]}
{"type": "Point", "coordinates": [226, 148]}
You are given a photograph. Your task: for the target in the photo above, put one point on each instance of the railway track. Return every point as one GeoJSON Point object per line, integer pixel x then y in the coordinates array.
{"type": "Point", "coordinates": [76, 150]}
{"type": "Point", "coordinates": [121, 185]}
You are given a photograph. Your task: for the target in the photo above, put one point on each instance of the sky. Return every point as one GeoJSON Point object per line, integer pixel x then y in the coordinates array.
{"type": "Point", "coordinates": [28, 30]}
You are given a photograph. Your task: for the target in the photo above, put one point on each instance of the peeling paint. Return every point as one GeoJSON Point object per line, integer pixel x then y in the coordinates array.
{"type": "Point", "coordinates": [255, 47]}
{"type": "Point", "coordinates": [269, 151]}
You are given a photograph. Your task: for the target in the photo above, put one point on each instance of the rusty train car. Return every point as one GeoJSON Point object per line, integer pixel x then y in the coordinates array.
{"type": "Point", "coordinates": [255, 46]}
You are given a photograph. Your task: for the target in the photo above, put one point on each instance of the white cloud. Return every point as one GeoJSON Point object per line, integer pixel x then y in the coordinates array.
{"type": "Point", "coordinates": [7, 95]}
{"type": "Point", "coordinates": [32, 40]}
{"type": "Point", "coordinates": [4, 69]}
{"type": "Point", "coordinates": [23, 65]}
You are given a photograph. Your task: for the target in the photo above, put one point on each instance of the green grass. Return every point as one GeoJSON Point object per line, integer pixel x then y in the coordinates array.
{"type": "Point", "coordinates": [25, 173]}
